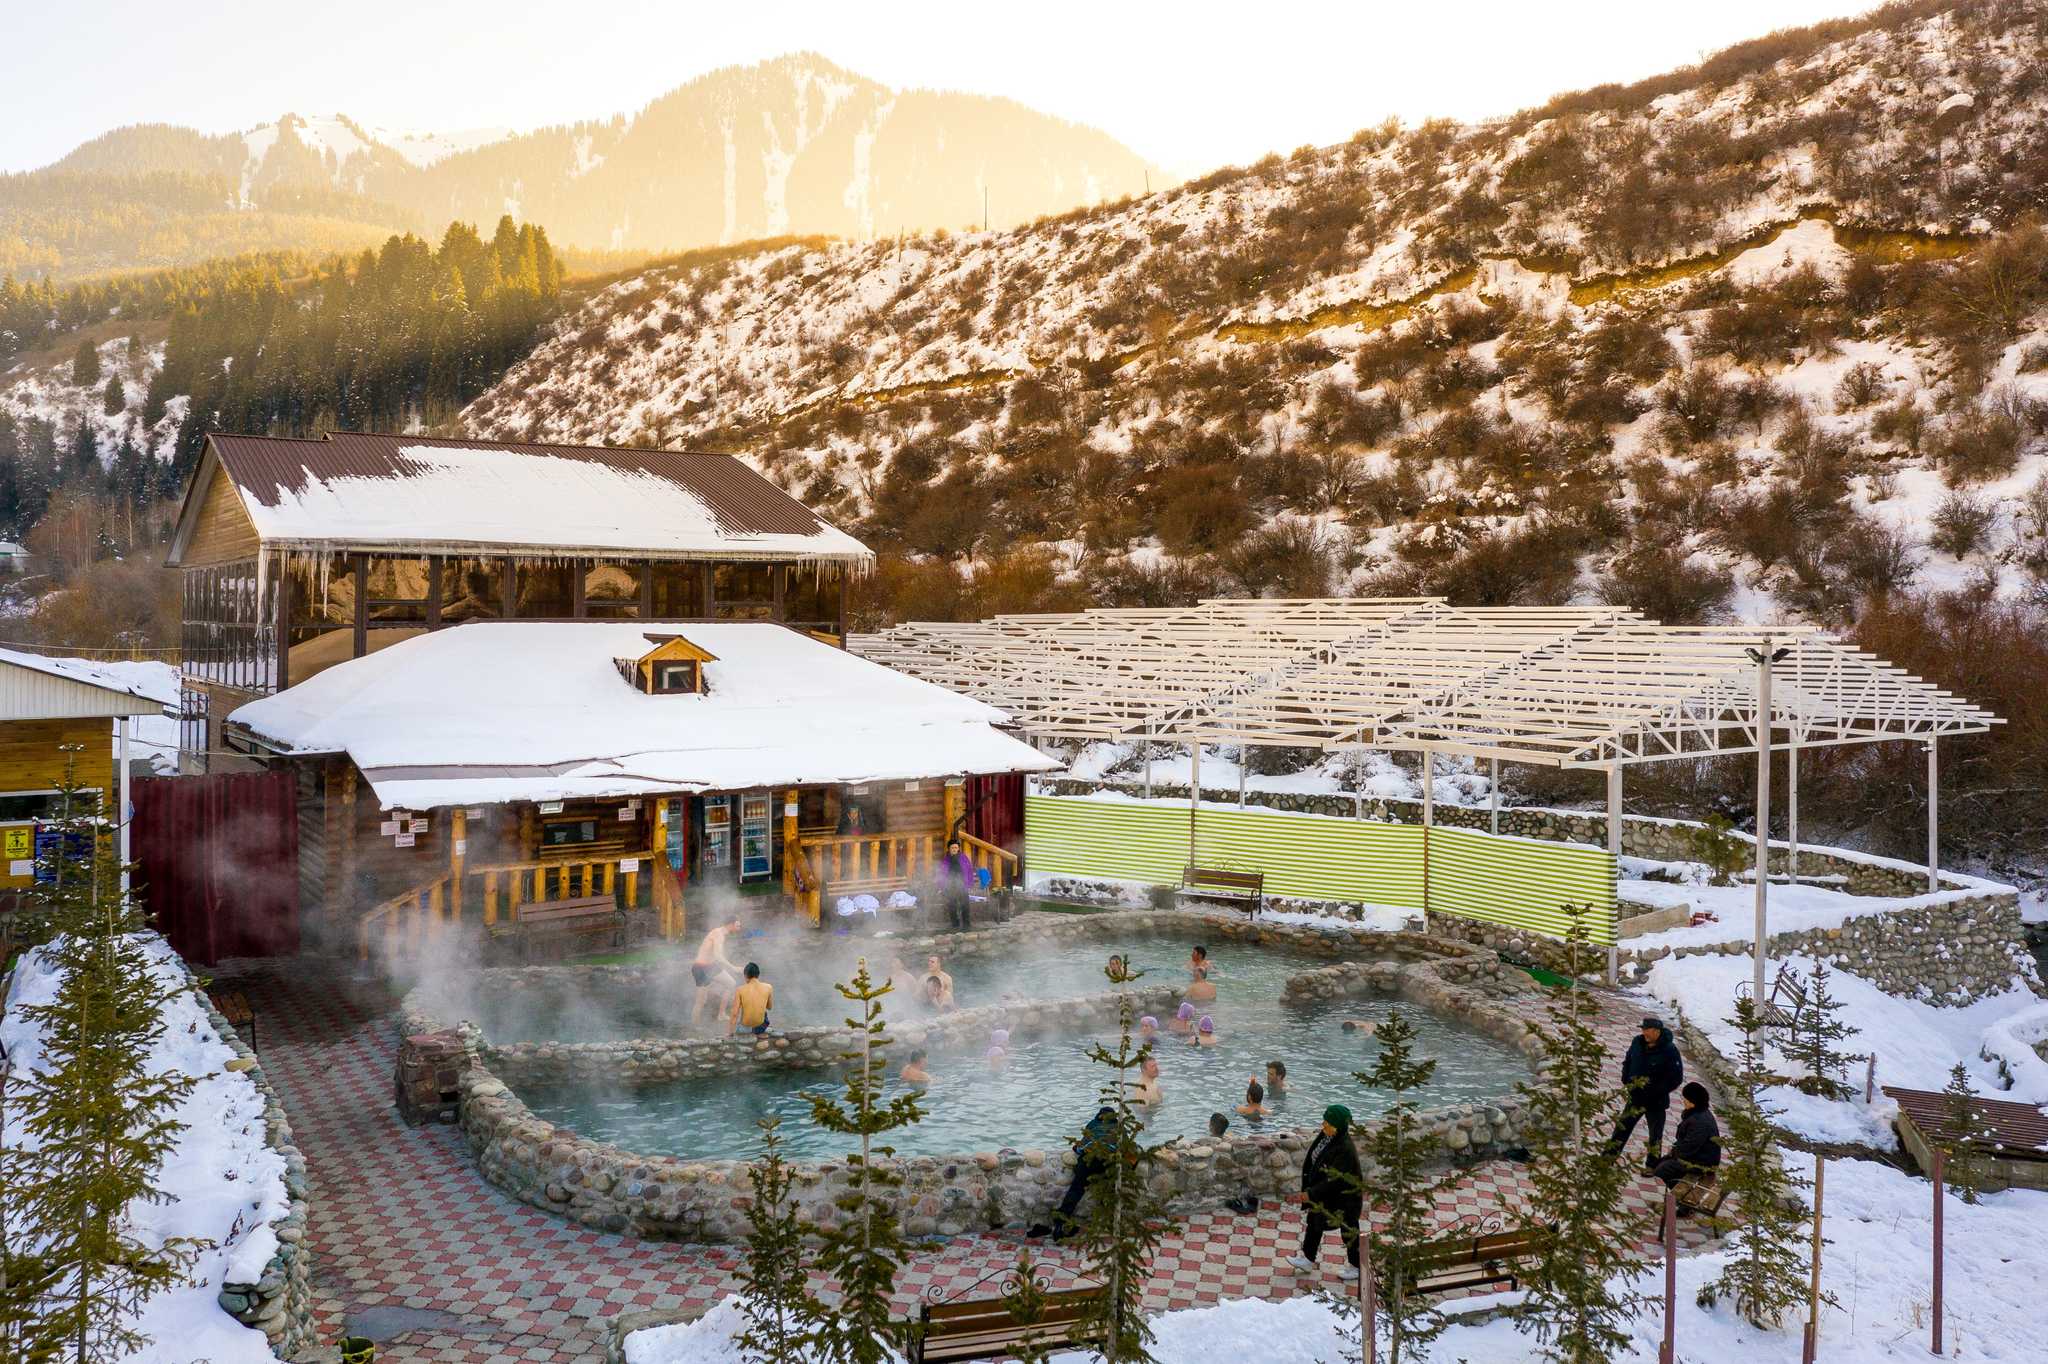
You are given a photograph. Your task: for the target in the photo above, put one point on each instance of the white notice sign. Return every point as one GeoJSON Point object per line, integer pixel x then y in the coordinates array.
{"type": "Point", "coordinates": [22, 867]}
{"type": "Point", "coordinates": [405, 840]}
{"type": "Point", "coordinates": [417, 826]}
{"type": "Point", "coordinates": [629, 864]}
{"type": "Point", "coordinates": [388, 827]}
{"type": "Point", "coordinates": [551, 807]}
{"type": "Point", "coordinates": [626, 813]}
{"type": "Point", "coordinates": [461, 846]}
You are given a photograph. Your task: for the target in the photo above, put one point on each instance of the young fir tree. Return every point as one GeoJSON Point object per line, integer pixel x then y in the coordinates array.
{"type": "Point", "coordinates": [864, 1249]}
{"type": "Point", "coordinates": [85, 364]}
{"type": "Point", "coordinates": [1816, 1037]}
{"type": "Point", "coordinates": [1963, 1124]}
{"type": "Point", "coordinates": [24, 1274]}
{"type": "Point", "coordinates": [1395, 1155]}
{"type": "Point", "coordinates": [1024, 1298]}
{"type": "Point", "coordinates": [1127, 1222]}
{"type": "Point", "coordinates": [1766, 1272]}
{"type": "Point", "coordinates": [102, 1119]}
{"type": "Point", "coordinates": [774, 1293]}
{"type": "Point", "coordinates": [1578, 1301]}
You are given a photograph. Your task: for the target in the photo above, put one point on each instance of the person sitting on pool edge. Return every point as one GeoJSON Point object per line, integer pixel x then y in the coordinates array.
{"type": "Point", "coordinates": [1254, 1105]}
{"type": "Point", "coordinates": [1092, 1151]}
{"type": "Point", "coordinates": [751, 1002]}
{"type": "Point", "coordinates": [914, 1072]}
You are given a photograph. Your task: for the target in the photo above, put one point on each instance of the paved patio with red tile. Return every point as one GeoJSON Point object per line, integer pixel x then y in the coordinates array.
{"type": "Point", "coordinates": [412, 1244]}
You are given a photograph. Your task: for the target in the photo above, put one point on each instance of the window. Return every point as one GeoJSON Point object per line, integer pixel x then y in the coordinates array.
{"type": "Point", "coordinates": [568, 833]}
{"type": "Point", "coordinates": [612, 590]}
{"type": "Point", "coordinates": [674, 677]}
{"type": "Point", "coordinates": [544, 591]}
{"type": "Point", "coordinates": [20, 807]}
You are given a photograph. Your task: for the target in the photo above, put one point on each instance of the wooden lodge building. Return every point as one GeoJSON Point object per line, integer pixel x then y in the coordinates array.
{"type": "Point", "coordinates": [644, 707]}
{"type": "Point", "coordinates": [302, 553]}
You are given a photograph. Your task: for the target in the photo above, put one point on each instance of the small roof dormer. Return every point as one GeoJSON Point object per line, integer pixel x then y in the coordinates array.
{"type": "Point", "coordinates": [673, 667]}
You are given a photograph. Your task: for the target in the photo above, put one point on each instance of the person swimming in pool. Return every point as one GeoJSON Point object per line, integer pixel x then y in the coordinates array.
{"type": "Point", "coordinates": [1364, 1026]}
{"type": "Point", "coordinates": [1183, 1021]}
{"type": "Point", "coordinates": [1147, 1089]}
{"type": "Point", "coordinates": [997, 1058]}
{"type": "Point", "coordinates": [1205, 1032]}
{"type": "Point", "coordinates": [1148, 1030]}
{"type": "Point", "coordinates": [932, 968]}
{"type": "Point", "coordinates": [914, 1072]}
{"type": "Point", "coordinates": [937, 997]}
{"type": "Point", "coordinates": [1276, 1078]}
{"type": "Point", "coordinates": [1254, 1105]}
{"type": "Point", "coordinates": [1202, 990]}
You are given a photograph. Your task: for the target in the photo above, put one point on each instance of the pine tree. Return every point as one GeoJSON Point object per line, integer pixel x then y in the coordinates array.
{"type": "Point", "coordinates": [864, 1249]}
{"type": "Point", "coordinates": [1578, 1302]}
{"type": "Point", "coordinates": [24, 1274]}
{"type": "Point", "coordinates": [85, 365]}
{"type": "Point", "coordinates": [1127, 1221]}
{"type": "Point", "coordinates": [1815, 1040]}
{"type": "Point", "coordinates": [1024, 1298]}
{"type": "Point", "coordinates": [1396, 1153]}
{"type": "Point", "coordinates": [1963, 1124]}
{"type": "Point", "coordinates": [115, 400]}
{"type": "Point", "coordinates": [774, 1292]}
{"type": "Point", "coordinates": [1766, 1272]}
{"type": "Point", "coordinates": [102, 1120]}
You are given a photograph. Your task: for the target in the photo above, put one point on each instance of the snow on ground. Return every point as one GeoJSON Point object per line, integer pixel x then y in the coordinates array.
{"type": "Point", "coordinates": [1877, 1264]}
{"type": "Point", "coordinates": [1916, 1043]}
{"type": "Point", "coordinates": [224, 1183]}
{"type": "Point", "coordinates": [1792, 908]}
{"type": "Point", "coordinates": [154, 737]}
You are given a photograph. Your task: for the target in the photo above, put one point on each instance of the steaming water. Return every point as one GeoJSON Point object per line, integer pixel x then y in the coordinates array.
{"type": "Point", "coordinates": [1049, 1087]}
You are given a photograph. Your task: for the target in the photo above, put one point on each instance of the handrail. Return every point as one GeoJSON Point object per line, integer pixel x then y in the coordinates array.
{"type": "Point", "coordinates": [1003, 854]}
{"type": "Point", "coordinates": [418, 899]}
{"type": "Point", "coordinates": [423, 910]}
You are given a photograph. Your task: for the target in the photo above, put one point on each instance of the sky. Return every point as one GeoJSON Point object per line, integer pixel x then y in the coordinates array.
{"type": "Point", "coordinates": [1190, 86]}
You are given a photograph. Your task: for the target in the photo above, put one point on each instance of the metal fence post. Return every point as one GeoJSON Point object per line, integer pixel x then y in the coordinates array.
{"type": "Point", "coordinates": [1940, 1174]}
{"type": "Point", "coordinates": [1667, 1353]}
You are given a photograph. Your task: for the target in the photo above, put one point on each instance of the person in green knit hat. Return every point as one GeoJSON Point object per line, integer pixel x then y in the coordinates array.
{"type": "Point", "coordinates": [1332, 1191]}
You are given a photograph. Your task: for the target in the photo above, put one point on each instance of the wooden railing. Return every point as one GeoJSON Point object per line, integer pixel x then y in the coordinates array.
{"type": "Point", "coordinates": [414, 916]}
{"type": "Point", "coordinates": [844, 864]}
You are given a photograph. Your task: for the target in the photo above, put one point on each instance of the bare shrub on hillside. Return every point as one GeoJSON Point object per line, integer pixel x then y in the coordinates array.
{"type": "Point", "coordinates": [1904, 423]}
{"type": "Point", "coordinates": [1978, 445]}
{"type": "Point", "coordinates": [1991, 293]}
{"type": "Point", "coordinates": [1777, 524]}
{"type": "Point", "coordinates": [1877, 560]}
{"type": "Point", "coordinates": [1170, 582]}
{"type": "Point", "coordinates": [1862, 384]}
{"type": "Point", "coordinates": [1695, 403]}
{"type": "Point", "coordinates": [1200, 509]}
{"type": "Point", "coordinates": [1287, 559]}
{"type": "Point", "coordinates": [1962, 524]}
{"type": "Point", "coordinates": [1666, 582]}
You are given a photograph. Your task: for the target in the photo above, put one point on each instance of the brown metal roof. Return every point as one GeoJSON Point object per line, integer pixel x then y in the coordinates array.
{"type": "Point", "coordinates": [2019, 1131]}
{"type": "Point", "coordinates": [742, 502]}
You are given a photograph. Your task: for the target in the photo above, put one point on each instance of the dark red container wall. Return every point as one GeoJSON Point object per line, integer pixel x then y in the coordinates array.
{"type": "Point", "coordinates": [218, 863]}
{"type": "Point", "coordinates": [996, 809]}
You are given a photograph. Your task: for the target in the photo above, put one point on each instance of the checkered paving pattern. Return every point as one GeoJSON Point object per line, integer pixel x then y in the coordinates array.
{"type": "Point", "coordinates": [402, 1220]}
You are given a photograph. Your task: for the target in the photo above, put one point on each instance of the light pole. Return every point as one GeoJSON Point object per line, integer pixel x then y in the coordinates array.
{"type": "Point", "coordinates": [1764, 658]}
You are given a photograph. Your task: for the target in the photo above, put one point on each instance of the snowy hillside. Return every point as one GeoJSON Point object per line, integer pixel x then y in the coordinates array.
{"type": "Point", "coordinates": [49, 394]}
{"type": "Point", "coordinates": [1755, 337]}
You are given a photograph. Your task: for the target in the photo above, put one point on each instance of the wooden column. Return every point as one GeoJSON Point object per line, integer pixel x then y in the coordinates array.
{"type": "Point", "coordinates": [578, 570]}
{"type": "Point", "coordinates": [839, 624]}
{"type": "Point", "coordinates": [433, 591]}
{"type": "Point", "coordinates": [955, 800]}
{"type": "Point", "coordinates": [646, 590]}
{"type": "Point", "coordinates": [790, 843]}
{"type": "Point", "coordinates": [347, 861]}
{"type": "Point", "coordinates": [458, 834]}
{"type": "Point", "coordinates": [508, 589]}
{"type": "Point", "coordinates": [776, 574]}
{"type": "Point", "coordinates": [710, 590]}
{"type": "Point", "coordinates": [362, 636]}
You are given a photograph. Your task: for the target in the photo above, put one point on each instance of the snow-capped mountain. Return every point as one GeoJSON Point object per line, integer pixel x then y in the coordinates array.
{"type": "Point", "coordinates": [1762, 335]}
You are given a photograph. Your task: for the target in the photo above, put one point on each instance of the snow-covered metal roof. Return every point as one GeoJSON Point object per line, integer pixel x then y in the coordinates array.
{"type": "Point", "coordinates": [35, 687]}
{"type": "Point", "coordinates": [499, 711]}
{"type": "Point", "coordinates": [421, 495]}
{"type": "Point", "coordinates": [1570, 686]}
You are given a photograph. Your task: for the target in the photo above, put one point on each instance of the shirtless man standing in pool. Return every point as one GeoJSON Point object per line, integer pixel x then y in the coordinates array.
{"type": "Point", "coordinates": [714, 972]}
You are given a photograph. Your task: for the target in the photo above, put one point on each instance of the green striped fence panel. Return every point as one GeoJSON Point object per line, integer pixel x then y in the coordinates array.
{"type": "Point", "coordinates": [1107, 840]}
{"type": "Point", "coordinates": [1316, 857]}
{"type": "Point", "coordinates": [1521, 882]}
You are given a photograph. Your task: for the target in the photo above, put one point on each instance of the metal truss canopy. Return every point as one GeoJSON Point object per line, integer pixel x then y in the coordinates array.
{"type": "Point", "coordinates": [1564, 686]}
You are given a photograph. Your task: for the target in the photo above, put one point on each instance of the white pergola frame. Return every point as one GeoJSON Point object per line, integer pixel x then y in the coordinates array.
{"type": "Point", "coordinates": [1562, 686]}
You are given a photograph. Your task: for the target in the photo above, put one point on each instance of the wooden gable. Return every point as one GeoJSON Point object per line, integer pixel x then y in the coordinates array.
{"type": "Point", "coordinates": [220, 531]}
{"type": "Point", "coordinates": [646, 671]}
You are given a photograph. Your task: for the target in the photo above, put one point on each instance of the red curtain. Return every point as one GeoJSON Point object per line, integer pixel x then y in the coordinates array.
{"type": "Point", "coordinates": [995, 808]}
{"type": "Point", "coordinates": [218, 863]}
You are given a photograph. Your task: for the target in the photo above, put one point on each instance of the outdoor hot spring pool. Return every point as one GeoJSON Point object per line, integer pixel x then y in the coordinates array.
{"type": "Point", "coordinates": [1048, 1086]}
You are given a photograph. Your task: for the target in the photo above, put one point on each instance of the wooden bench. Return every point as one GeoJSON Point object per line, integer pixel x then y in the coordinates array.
{"type": "Point", "coordinates": [1454, 1262]}
{"type": "Point", "coordinates": [234, 1006]}
{"type": "Point", "coordinates": [1786, 989]}
{"type": "Point", "coordinates": [983, 1328]}
{"type": "Point", "coordinates": [1246, 888]}
{"type": "Point", "coordinates": [1701, 1193]}
{"type": "Point", "coordinates": [588, 916]}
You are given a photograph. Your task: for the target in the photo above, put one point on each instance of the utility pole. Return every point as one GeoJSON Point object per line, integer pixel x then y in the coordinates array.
{"type": "Point", "coordinates": [1764, 658]}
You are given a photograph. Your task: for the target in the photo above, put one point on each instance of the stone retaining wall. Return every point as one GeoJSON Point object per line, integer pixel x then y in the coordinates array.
{"type": "Point", "coordinates": [665, 1198]}
{"type": "Point", "coordinates": [1952, 951]}
{"type": "Point", "coordinates": [280, 1302]}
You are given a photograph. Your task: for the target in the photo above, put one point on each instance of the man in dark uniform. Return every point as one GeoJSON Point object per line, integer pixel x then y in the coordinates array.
{"type": "Point", "coordinates": [1649, 1073]}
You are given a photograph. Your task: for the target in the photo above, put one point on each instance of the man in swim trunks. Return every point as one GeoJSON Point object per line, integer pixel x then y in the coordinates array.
{"type": "Point", "coordinates": [932, 968]}
{"type": "Point", "coordinates": [1201, 991]}
{"type": "Point", "coordinates": [713, 971]}
{"type": "Point", "coordinates": [751, 1002]}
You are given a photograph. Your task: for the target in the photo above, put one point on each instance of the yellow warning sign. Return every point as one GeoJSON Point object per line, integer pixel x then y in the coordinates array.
{"type": "Point", "coordinates": [21, 842]}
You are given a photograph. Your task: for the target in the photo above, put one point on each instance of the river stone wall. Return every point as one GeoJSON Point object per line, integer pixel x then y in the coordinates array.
{"type": "Point", "coordinates": [1661, 840]}
{"type": "Point", "coordinates": [667, 1198]}
{"type": "Point", "coordinates": [280, 1302]}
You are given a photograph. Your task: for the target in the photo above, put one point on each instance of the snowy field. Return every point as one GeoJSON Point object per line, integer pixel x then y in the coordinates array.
{"type": "Point", "coordinates": [1877, 1265]}
{"type": "Point", "coordinates": [224, 1184]}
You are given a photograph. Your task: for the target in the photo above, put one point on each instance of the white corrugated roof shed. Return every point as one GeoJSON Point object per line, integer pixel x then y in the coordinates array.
{"type": "Point", "coordinates": [500, 711]}
{"type": "Point", "coordinates": [33, 687]}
